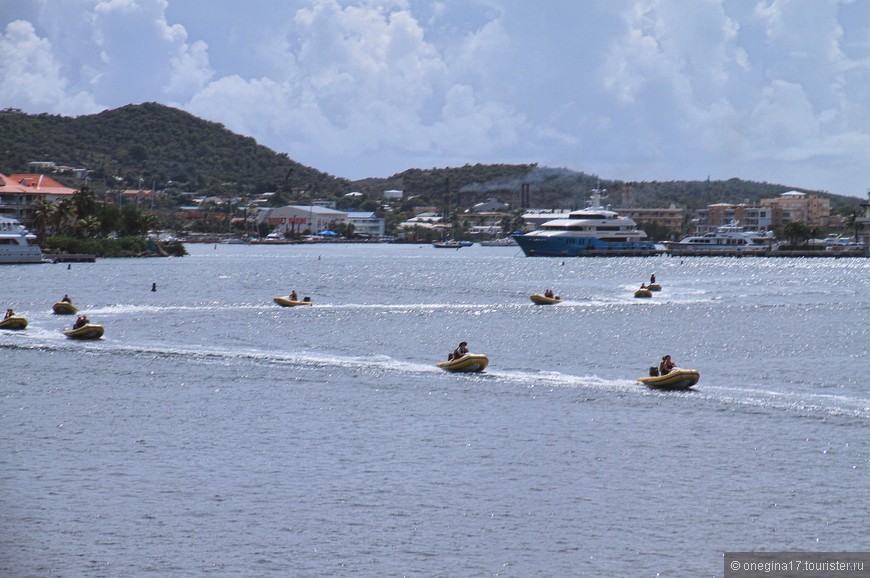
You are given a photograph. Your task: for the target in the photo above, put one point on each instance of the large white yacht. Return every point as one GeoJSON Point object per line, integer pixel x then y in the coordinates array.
{"type": "Point", "coordinates": [594, 230]}
{"type": "Point", "coordinates": [726, 239]}
{"type": "Point", "coordinates": [15, 244]}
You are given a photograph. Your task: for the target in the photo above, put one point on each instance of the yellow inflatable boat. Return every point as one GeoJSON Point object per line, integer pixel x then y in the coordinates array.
{"type": "Point", "coordinates": [64, 308]}
{"type": "Point", "coordinates": [88, 331]}
{"type": "Point", "coordinates": [676, 379]}
{"type": "Point", "coordinates": [468, 363]}
{"type": "Point", "coordinates": [287, 302]}
{"type": "Point", "coordinates": [14, 322]}
{"type": "Point", "coordinates": [539, 299]}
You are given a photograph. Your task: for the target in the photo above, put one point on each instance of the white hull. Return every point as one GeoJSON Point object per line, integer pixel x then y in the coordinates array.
{"type": "Point", "coordinates": [14, 245]}
{"type": "Point", "coordinates": [727, 240]}
{"type": "Point", "coordinates": [29, 254]}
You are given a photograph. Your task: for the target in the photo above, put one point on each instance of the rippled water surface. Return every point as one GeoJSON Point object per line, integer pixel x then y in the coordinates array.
{"type": "Point", "coordinates": [211, 432]}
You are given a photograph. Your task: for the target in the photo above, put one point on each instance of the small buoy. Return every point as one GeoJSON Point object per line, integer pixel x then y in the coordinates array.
{"type": "Point", "coordinates": [69, 266]}
{"type": "Point", "coordinates": [154, 286]}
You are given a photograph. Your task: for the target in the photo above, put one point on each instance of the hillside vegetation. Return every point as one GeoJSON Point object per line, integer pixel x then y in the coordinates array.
{"type": "Point", "coordinates": [170, 149]}
{"type": "Point", "coordinates": [164, 146]}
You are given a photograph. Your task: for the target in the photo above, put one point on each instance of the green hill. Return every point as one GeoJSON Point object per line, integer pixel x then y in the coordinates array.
{"type": "Point", "coordinates": [161, 145]}
{"type": "Point", "coordinates": [564, 188]}
{"type": "Point", "coordinates": [171, 149]}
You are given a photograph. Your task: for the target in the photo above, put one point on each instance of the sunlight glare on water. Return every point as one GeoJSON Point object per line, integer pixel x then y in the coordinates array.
{"type": "Point", "coordinates": [212, 432]}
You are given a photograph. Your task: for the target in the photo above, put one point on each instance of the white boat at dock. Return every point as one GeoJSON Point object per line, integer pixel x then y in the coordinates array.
{"type": "Point", "coordinates": [15, 246]}
{"type": "Point", "coordinates": [500, 242]}
{"type": "Point", "coordinates": [730, 239]}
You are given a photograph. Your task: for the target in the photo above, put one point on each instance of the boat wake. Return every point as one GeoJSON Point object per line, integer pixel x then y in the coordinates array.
{"type": "Point", "coordinates": [793, 402]}
{"type": "Point", "coordinates": [314, 363]}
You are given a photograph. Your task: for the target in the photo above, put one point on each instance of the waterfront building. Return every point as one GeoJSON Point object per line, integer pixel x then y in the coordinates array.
{"type": "Point", "coordinates": [751, 218]}
{"type": "Point", "coordinates": [484, 224]}
{"type": "Point", "coordinates": [20, 193]}
{"type": "Point", "coordinates": [301, 219]}
{"type": "Point", "coordinates": [670, 218]}
{"type": "Point", "coordinates": [366, 223]}
{"type": "Point", "coordinates": [137, 197]}
{"type": "Point", "coordinates": [795, 206]}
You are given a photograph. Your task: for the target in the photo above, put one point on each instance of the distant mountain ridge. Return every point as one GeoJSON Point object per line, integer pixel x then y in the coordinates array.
{"type": "Point", "coordinates": [172, 149]}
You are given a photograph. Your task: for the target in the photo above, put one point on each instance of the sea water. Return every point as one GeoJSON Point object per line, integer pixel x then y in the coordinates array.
{"type": "Point", "coordinates": [212, 432]}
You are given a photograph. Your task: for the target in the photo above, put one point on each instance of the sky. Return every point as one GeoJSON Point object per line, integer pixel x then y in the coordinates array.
{"type": "Point", "coordinates": [773, 91]}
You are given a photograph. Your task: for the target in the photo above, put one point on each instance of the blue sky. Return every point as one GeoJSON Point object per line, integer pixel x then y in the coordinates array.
{"type": "Point", "coordinates": [766, 90]}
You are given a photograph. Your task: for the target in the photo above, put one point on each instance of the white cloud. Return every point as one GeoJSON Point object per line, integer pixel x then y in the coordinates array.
{"type": "Point", "coordinates": [634, 89]}
{"type": "Point", "coordinates": [137, 34]}
{"type": "Point", "coordinates": [30, 77]}
{"type": "Point", "coordinates": [694, 72]}
{"type": "Point", "coordinates": [782, 118]}
{"type": "Point", "coordinates": [363, 79]}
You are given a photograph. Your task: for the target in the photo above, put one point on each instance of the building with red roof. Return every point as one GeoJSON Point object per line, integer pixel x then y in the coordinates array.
{"type": "Point", "coordinates": [19, 194]}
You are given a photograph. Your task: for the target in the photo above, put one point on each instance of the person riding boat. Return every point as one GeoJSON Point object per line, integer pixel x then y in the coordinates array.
{"type": "Point", "coordinates": [666, 365]}
{"type": "Point", "coordinates": [459, 352]}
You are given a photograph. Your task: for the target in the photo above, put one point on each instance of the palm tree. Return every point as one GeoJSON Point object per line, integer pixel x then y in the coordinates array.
{"type": "Point", "coordinates": [64, 213]}
{"type": "Point", "coordinates": [797, 232]}
{"type": "Point", "coordinates": [85, 202]}
{"type": "Point", "coordinates": [149, 221]}
{"type": "Point", "coordinates": [851, 222]}
{"type": "Point", "coordinates": [90, 225]}
{"type": "Point", "coordinates": [43, 217]}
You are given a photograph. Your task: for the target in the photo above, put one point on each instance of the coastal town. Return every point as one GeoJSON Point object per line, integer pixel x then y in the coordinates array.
{"type": "Point", "coordinates": [804, 222]}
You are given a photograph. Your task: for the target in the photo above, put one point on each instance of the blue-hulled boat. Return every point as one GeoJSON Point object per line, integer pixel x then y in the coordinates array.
{"type": "Point", "coordinates": [593, 231]}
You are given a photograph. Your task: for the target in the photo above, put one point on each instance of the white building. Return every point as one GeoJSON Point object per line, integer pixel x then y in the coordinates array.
{"type": "Point", "coordinates": [366, 223]}
{"type": "Point", "coordinates": [393, 194]}
{"type": "Point", "coordinates": [300, 219]}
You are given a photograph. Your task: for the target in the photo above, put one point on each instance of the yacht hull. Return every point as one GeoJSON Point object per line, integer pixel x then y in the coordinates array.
{"type": "Point", "coordinates": [564, 246]}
